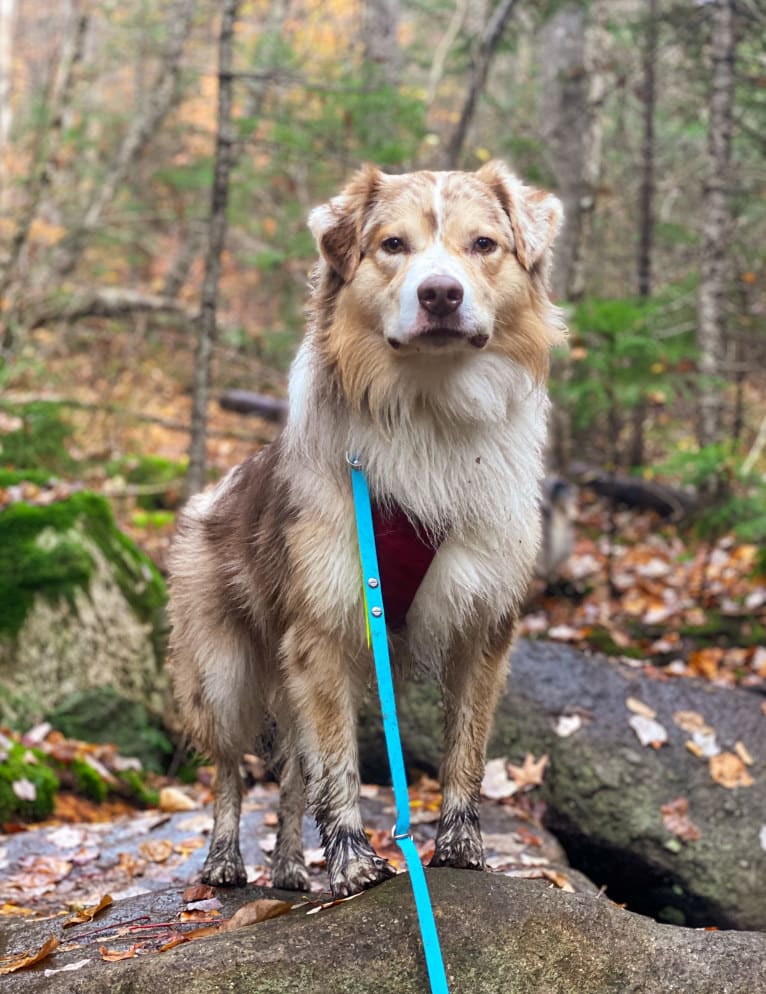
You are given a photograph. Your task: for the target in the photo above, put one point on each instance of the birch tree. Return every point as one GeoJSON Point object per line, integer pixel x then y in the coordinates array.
{"type": "Point", "coordinates": [717, 222]}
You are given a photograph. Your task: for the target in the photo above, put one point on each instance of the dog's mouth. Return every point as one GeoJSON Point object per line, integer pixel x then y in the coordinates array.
{"type": "Point", "coordinates": [441, 337]}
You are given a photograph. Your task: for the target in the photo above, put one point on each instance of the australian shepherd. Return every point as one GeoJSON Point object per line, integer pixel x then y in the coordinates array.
{"type": "Point", "coordinates": [426, 357]}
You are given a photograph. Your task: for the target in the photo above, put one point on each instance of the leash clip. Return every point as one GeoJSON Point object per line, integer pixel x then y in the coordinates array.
{"type": "Point", "coordinates": [354, 461]}
{"type": "Point", "coordinates": [397, 837]}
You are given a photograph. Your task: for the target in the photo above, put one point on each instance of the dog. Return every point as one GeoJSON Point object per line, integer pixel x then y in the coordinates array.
{"type": "Point", "coordinates": [426, 357]}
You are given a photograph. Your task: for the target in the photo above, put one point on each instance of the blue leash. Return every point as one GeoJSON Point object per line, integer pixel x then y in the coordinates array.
{"type": "Point", "coordinates": [378, 639]}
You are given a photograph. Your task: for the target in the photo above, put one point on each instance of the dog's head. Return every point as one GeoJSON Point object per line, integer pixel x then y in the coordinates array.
{"type": "Point", "coordinates": [436, 265]}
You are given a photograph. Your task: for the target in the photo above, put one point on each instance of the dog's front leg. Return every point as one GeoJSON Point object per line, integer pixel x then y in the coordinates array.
{"type": "Point", "coordinates": [324, 694]}
{"type": "Point", "coordinates": [472, 684]}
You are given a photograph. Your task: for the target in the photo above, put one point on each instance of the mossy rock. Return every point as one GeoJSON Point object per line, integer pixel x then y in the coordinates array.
{"type": "Point", "coordinates": [103, 715]}
{"type": "Point", "coordinates": [17, 765]}
{"type": "Point", "coordinates": [80, 607]}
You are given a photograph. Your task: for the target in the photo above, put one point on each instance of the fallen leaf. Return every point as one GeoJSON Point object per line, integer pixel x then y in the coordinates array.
{"type": "Point", "coordinates": [68, 968]}
{"type": "Point", "coordinates": [675, 817]}
{"type": "Point", "coordinates": [10, 964]}
{"type": "Point", "coordinates": [729, 771]}
{"type": "Point", "coordinates": [744, 754]}
{"type": "Point", "coordinates": [650, 733]}
{"type": "Point", "coordinates": [187, 846]}
{"type": "Point", "coordinates": [197, 892]}
{"type": "Point", "coordinates": [88, 914]}
{"type": "Point", "coordinates": [530, 773]}
{"type": "Point", "coordinates": [496, 783]}
{"type": "Point", "coordinates": [156, 850]}
{"type": "Point", "coordinates": [67, 837]}
{"type": "Point", "coordinates": [207, 904]}
{"type": "Point", "coordinates": [706, 661]}
{"type": "Point", "coordinates": [174, 799]}
{"type": "Point", "coordinates": [691, 721]}
{"type": "Point", "coordinates": [258, 911]}
{"type": "Point", "coordinates": [9, 908]}
{"type": "Point", "coordinates": [24, 789]}
{"type": "Point", "coordinates": [198, 916]}
{"type": "Point", "coordinates": [567, 724]}
{"type": "Point", "coordinates": [115, 955]}
{"type": "Point", "coordinates": [559, 879]}
{"type": "Point", "coordinates": [638, 707]}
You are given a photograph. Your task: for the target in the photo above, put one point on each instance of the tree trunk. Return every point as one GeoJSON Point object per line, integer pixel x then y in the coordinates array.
{"type": "Point", "coordinates": [59, 101]}
{"type": "Point", "coordinates": [490, 40]}
{"type": "Point", "coordinates": [380, 19]}
{"type": "Point", "coordinates": [646, 210]}
{"type": "Point", "coordinates": [7, 10]}
{"type": "Point", "coordinates": [716, 231]}
{"type": "Point", "coordinates": [573, 90]}
{"type": "Point", "coordinates": [206, 325]}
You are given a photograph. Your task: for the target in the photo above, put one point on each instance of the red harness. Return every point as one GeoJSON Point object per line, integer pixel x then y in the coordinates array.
{"type": "Point", "coordinates": [404, 555]}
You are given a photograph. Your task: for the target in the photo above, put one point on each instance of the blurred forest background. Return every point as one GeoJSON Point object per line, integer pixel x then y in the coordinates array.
{"type": "Point", "coordinates": [157, 164]}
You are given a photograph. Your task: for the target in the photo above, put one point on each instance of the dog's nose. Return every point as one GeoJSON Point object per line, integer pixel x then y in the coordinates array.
{"type": "Point", "coordinates": [440, 295]}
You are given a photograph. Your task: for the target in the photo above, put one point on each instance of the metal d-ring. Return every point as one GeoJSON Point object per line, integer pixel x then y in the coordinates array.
{"type": "Point", "coordinates": [354, 461]}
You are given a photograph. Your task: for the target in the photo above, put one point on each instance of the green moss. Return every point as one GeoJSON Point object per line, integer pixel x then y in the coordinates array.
{"type": "Point", "coordinates": [42, 552]}
{"type": "Point", "coordinates": [12, 477]}
{"type": "Point", "coordinates": [17, 766]}
{"type": "Point", "coordinates": [143, 794]}
{"type": "Point", "coordinates": [88, 781]}
{"type": "Point", "coordinates": [103, 715]}
{"type": "Point", "coordinates": [41, 441]}
{"type": "Point", "coordinates": [151, 471]}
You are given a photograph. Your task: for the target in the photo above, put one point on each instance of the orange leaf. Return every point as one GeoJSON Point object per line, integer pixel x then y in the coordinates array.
{"type": "Point", "coordinates": [530, 773]}
{"type": "Point", "coordinates": [114, 955]}
{"type": "Point", "coordinates": [258, 911]}
{"type": "Point", "coordinates": [88, 914]}
{"type": "Point", "coordinates": [729, 771]}
{"type": "Point", "coordinates": [20, 962]}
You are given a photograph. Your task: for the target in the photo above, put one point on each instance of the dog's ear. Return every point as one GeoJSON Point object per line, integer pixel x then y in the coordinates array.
{"type": "Point", "coordinates": [535, 216]}
{"type": "Point", "coordinates": [337, 225]}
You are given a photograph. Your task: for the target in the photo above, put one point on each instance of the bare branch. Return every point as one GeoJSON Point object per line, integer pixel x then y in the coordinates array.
{"type": "Point", "coordinates": [490, 40]}
{"type": "Point", "coordinates": [59, 103]}
{"type": "Point", "coordinates": [162, 96]}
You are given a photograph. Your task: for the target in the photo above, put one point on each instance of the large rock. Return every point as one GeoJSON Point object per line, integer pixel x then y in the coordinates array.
{"type": "Point", "coordinates": [80, 607]}
{"type": "Point", "coordinates": [497, 935]}
{"type": "Point", "coordinates": [604, 790]}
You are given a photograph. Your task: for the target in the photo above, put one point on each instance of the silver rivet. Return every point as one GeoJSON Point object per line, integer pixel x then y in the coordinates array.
{"type": "Point", "coordinates": [376, 612]}
{"type": "Point", "coordinates": [372, 582]}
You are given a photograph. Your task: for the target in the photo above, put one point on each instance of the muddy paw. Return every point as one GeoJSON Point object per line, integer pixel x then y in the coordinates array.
{"type": "Point", "coordinates": [463, 854]}
{"type": "Point", "coordinates": [359, 874]}
{"type": "Point", "coordinates": [224, 868]}
{"type": "Point", "coordinates": [290, 874]}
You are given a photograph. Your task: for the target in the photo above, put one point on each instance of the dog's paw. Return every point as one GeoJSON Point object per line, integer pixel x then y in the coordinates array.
{"type": "Point", "coordinates": [224, 868]}
{"type": "Point", "coordinates": [359, 874]}
{"type": "Point", "coordinates": [463, 854]}
{"type": "Point", "coordinates": [458, 841]}
{"type": "Point", "coordinates": [290, 874]}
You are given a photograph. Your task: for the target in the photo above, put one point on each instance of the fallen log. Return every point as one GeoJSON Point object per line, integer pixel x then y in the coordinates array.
{"type": "Point", "coordinates": [605, 792]}
{"type": "Point", "coordinates": [247, 402]}
{"type": "Point", "coordinates": [497, 934]}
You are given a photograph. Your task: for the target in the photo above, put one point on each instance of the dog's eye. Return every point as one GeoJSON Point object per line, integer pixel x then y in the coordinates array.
{"type": "Point", "coordinates": [393, 245]}
{"type": "Point", "coordinates": [484, 245]}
